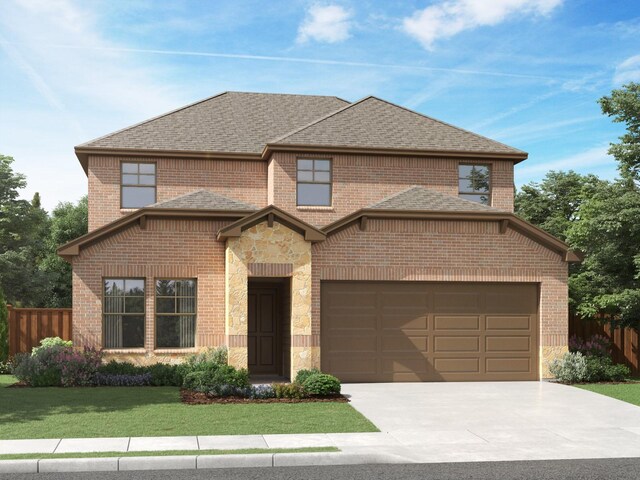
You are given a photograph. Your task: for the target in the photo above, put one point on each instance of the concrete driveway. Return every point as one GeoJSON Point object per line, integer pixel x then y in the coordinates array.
{"type": "Point", "coordinates": [442, 422]}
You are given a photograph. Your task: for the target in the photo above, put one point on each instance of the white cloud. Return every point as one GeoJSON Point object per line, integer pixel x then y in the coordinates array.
{"type": "Point", "coordinates": [628, 71]}
{"type": "Point", "coordinates": [329, 24]}
{"type": "Point", "coordinates": [450, 17]}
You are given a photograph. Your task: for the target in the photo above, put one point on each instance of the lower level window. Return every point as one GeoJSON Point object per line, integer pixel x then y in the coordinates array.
{"type": "Point", "coordinates": [123, 313]}
{"type": "Point", "coordinates": [175, 313]}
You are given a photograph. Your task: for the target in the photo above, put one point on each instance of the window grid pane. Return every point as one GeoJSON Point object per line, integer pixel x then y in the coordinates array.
{"type": "Point", "coordinates": [138, 185]}
{"type": "Point", "coordinates": [474, 183]}
{"type": "Point", "coordinates": [175, 313]}
{"type": "Point", "coordinates": [314, 182]}
{"type": "Point", "coordinates": [123, 313]}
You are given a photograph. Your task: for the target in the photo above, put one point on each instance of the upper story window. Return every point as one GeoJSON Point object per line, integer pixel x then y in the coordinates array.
{"type": "Point", "coordinates": [474, 183]}
{"type": "Point", "coordinates": [138, 185]}
{"type": "Point", "coordinates": [314, 182]}
{"type": "Point", "coordinates": [123, 309]}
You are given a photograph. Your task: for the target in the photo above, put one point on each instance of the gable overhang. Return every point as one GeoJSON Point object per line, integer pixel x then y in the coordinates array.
{"type": "Point", "coordinates": [271, 148]}
{"type": "Point", "coordinates": [271, 214]}
{"type": "Point", "coordinates": [83, 154]}
{"type": "Point", "coordinates": [73, 248]}
{"type": "Point", "coordinates": [505, 219]}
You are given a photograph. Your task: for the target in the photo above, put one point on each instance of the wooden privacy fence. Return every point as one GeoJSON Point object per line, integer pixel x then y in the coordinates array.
{"type": "Point", "coordinates": [27, 326]}
{"type": "Point", "coordinates": [624, 340]}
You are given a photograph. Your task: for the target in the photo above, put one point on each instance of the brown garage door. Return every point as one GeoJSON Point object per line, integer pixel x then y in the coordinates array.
{"type": "Point", "coordinates": [417, 331]}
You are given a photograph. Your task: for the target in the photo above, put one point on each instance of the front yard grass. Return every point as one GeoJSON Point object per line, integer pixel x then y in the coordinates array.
{"type": "Point", "coordinates": [627, 392]}
{"type": "Point", "coordinates": [157, 411]}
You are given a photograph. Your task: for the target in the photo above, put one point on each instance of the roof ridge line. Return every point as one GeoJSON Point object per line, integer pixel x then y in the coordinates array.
{"type": "Point", "coordinates": [157, 117]}
{"type": "Point", "coordinates": [314, 122]}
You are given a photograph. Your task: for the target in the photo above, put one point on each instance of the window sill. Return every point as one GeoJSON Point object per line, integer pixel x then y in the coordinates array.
{"type": "Point", "coordinates": [163, 351]}
{"type": "Point", "coordinates": [310, 208]}
{"type": "Point", "coordinates": [112, 351]}
{"type": "Point", "coordinates": [128, 210]}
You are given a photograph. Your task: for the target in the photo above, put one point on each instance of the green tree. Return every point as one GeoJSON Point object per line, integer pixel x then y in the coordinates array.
{"type": "Point", "coordinates": [623, 105]}
{"type": "Point", "coordinates": [553, 204]}
{"type": "Point", "coordinates": [608, 233]}
{"type": "Point", "coordinates": [68, 221]}
{"type": "Point", "coordinates": [23, 229]}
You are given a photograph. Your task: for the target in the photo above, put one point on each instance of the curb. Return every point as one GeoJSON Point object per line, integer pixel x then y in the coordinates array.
{"type": "Point", "coordinates": [192, 462]}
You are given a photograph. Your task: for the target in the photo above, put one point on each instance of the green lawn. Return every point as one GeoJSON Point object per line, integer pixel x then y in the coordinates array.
{"type": "Point", "coordinates": [627, 392]}
{"type": "Point", "coordinates": [244, 451]}
{"type": "Point", "coordinates": [157, 411]}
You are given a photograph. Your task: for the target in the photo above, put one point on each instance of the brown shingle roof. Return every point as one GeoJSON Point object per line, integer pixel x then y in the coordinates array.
{"type": "Point", "coordinates": [231, 122]}
{"type": "Point", "coordinates": [374, 123]}
{"type": "Point", "coordinates": [204, 200]}
{"type": "Point", "coordinates": [424, 199]}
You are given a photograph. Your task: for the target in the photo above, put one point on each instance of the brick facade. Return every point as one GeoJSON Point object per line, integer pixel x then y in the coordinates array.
{"type": "Point", "coordinates": [164, 249]}
{"type": "Point", "coordinates": [238, 179]}
{"type": "Point", "coordinates": [360, 180]}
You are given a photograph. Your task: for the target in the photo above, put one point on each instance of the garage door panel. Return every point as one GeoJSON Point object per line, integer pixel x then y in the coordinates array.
{"type": "Point", "coordinates": [415, 364]}
{"type": "Point", "coordinates": [458, 302]}
{"type": "Point", "coordinates": [508, 344]}
{"type": "Point", "coordinates": [508, 365]}
{"type": "Point", "coordinates": [404, 343]}
{"type": "Point", "coordinates": [442, 344]}
{"type": "Point", "coordinates": [456, 323]}
{"type": "Point", "coordinates": [421, 331]}
{"type": "Point", "coordinates": [457, 365]}
{"type": "Point", "coordinates": [508, 322]}
{"type": "Point", "coordinates": [410, 320]}
{"type": "Point", "coordinates": [357, 344]}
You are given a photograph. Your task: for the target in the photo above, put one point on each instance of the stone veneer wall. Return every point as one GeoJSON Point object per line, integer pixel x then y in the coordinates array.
{"type": "Point", "coordinates": [269, 251]}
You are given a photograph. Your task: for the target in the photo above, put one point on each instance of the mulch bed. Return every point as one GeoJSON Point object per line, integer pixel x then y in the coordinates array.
{"type": "Point", "coordinates": [198, 398]}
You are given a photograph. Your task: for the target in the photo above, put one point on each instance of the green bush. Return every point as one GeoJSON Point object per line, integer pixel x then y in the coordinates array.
{"type": "Point", "coordinates": [165, 375]}
{"type": "Point", "coordinates": [51, 342]}
{"type": "Point", "coordinates": [120, 368]}
{"type": "Point", "coordinates": [288, 390]}
{"type": "Point", "coordinates": [6, 368]}
{"type": "Point", "coordinates": [602, 369]}
{"type": "Point", "coordinates": [322, 384]}
{"type": "Point", "coordinates": [4, 329]}
{"type": "Point", "coordinates": [570, 368]}
{"type": "Point", "coordinates": [215, 378]}
{"type": "Point", "coordinates": [303, 374]}
{"type": "Point", "coordinates": [40, 368]}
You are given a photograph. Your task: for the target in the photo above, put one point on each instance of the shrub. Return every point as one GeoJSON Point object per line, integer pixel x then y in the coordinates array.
{"type": "Point", "coordinates": [6, 368]}
{"type": "Point", "coordinates": [262, 392]}
{"type": "Point", "coordinates": [122, 380]}
{"type": "Point", "coordinates": [40, 368]}
{"type": "Point", "coordinates": [322, 384]}
{"type": "Point", "coordinates": [215, 378]}
{"type": "Point", "coordinates": [51, 342]}
{"type": "Point", "coordinates": [288, 390]}
{"type": "Point", "coordinates": [120, 368]}
{"type": "Point", "coordinates": [602, 369]}
{"type": "Point", "coordinates": [570, 368]}
{"type": "Point", "coordinates": [595, 346]}
{"type": "Point", "coordinates": [164, 375]}
{"type": "Point", "coordinates": [303, 374]}
{"type": "Point", "coordinates": [78, 369]}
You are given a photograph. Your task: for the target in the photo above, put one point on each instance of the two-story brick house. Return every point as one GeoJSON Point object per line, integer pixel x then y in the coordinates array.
{"type": "Point", "coordinates": [305, 231]}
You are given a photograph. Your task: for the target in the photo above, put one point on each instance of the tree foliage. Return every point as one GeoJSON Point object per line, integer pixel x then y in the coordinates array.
{"type": "Point", "coordinates": [599, 218]}
{"type": "Point", "coordinates": [623, 105]}
{"type": "Point", "coordinates": [31, 273]}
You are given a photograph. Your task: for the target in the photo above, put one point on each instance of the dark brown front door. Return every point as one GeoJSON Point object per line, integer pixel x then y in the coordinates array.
{"type": "Point", "coordinates": [264, 338]}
